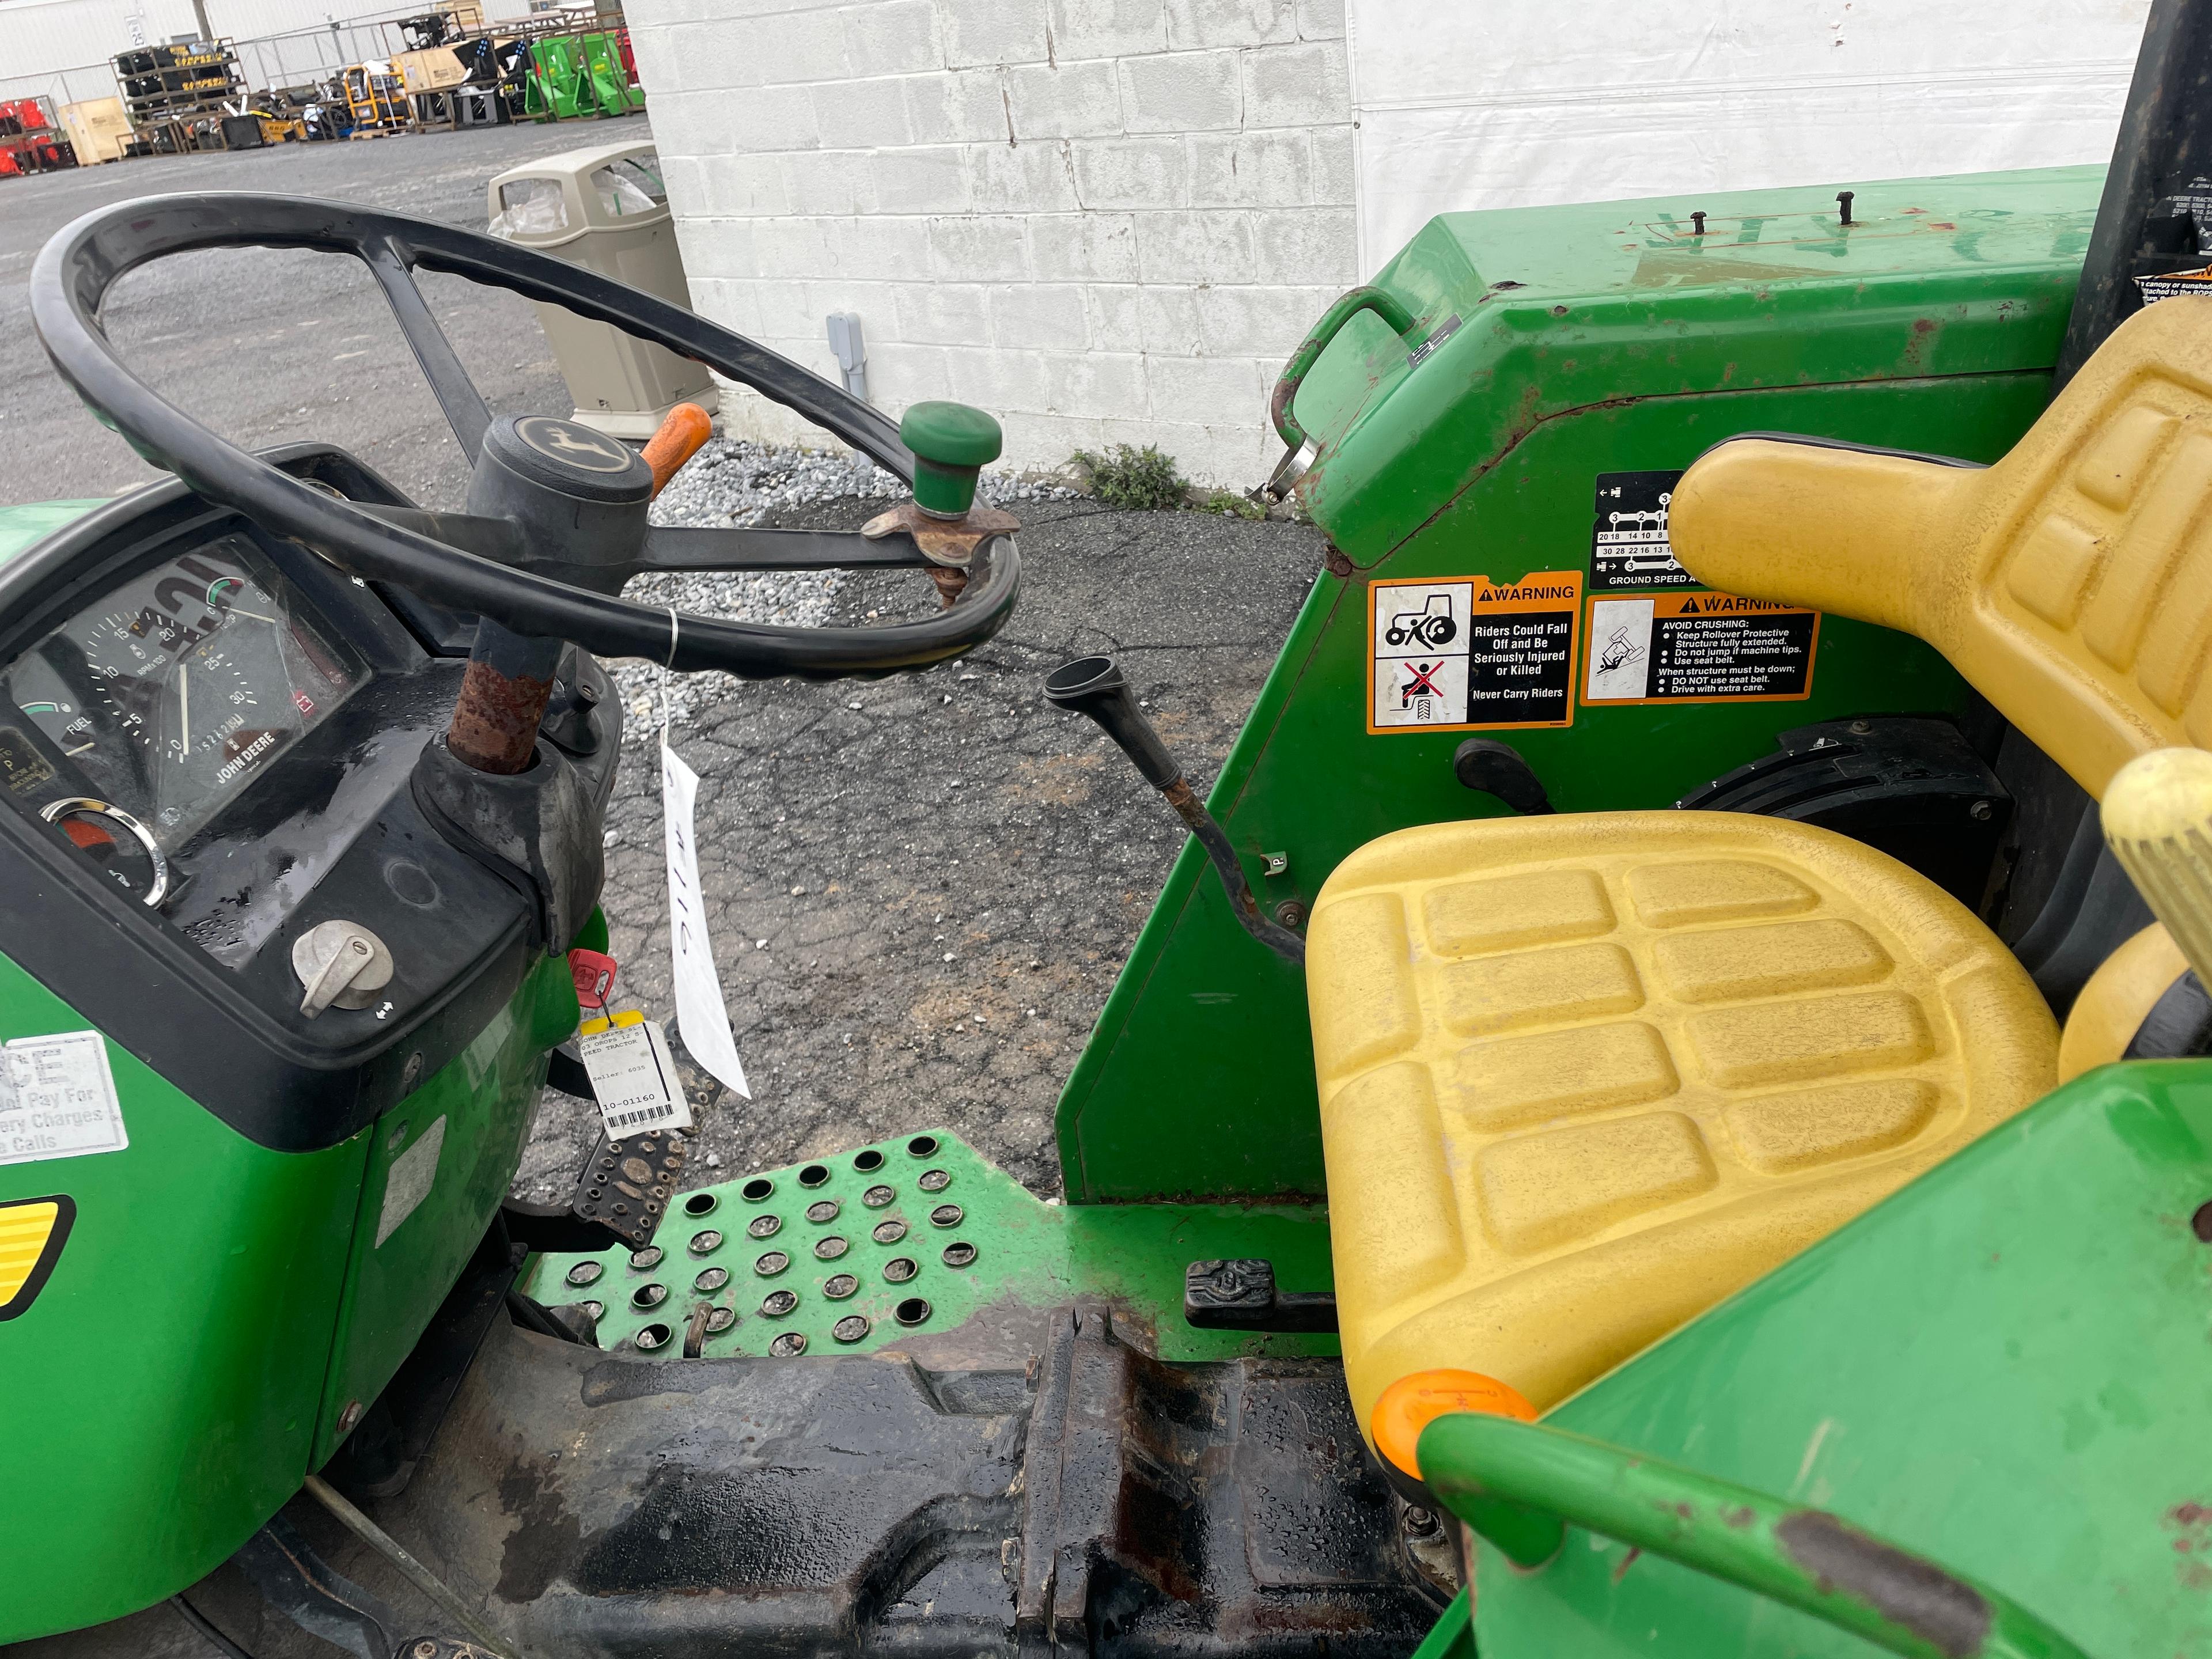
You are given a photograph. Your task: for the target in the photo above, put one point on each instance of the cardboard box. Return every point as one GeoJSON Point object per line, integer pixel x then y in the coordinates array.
{"type": "Point", "coordinates": [433, 70]}
{"type": "Point", "coordinates": [98, 130]}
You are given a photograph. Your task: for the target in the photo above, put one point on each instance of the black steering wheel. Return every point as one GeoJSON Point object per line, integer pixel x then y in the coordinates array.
{"type": "Point", "coordinates": [536, 585]}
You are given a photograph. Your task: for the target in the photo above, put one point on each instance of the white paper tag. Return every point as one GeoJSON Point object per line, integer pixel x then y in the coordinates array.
{"type": "Point", "coordinates": [700, 1014]}
{"type": "Point", "coordinates": [635, 1078]}
{"type": "Point", "coordinates": [57, 1099]}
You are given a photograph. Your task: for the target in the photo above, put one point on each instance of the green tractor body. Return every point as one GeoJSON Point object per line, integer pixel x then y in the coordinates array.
{"type": "Point", "coordinates": [300, 1312]}
{"type": "Point", "coordinates": [1988, 1370]}
{"type": "Point", "coordinates": [1975, 1372]}
{"type": "Point", "coordinates": [1593, 343]}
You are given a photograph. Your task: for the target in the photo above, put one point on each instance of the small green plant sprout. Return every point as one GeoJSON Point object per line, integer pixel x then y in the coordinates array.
{"type": "Point", "coordinates": [1134, 480]}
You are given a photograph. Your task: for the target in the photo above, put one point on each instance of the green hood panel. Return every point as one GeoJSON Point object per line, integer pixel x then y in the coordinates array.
{"type": "Point", "coordinates": [1564, 308]}
{"type": "Point", "coordinates": [26, 526]}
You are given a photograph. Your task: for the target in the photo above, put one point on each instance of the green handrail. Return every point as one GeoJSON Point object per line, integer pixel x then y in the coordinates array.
{"type": "Point", "coordinates": [1400, 322]}
{"type": "Point", "coordinates": [1520, 1484]}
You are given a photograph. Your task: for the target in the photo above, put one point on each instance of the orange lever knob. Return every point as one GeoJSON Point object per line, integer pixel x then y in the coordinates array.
{"type": "Point", "coordinates": [682, 435]}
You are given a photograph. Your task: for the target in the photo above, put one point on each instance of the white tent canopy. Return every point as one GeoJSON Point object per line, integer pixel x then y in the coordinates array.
{"type": "Point", "coordinates": [1489, 103]}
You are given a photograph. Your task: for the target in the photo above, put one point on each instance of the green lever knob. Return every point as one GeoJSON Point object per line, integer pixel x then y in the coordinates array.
{"type": "Point", "coordinates": [951, 444]}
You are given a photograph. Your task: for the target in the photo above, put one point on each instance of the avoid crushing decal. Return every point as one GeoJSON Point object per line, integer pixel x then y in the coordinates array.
{"type": "Point", "coordinates": [1469, 654]}
{"type": "Point", "coordinates": [1699, 647]}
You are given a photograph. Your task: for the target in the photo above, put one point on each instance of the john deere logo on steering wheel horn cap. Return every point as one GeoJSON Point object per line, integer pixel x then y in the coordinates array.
{"type": "Point", "coordinates": [545, 453]}
{"type": "Point", "coordinates": [573, 444]}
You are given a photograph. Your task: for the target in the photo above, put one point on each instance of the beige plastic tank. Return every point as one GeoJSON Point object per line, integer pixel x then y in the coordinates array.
{"type": "Point", "coordinates": [605, 208]}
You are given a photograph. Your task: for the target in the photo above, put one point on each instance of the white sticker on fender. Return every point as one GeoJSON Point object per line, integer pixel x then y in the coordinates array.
{"type": "Point", "coordinates": [57, 1099]}
{"type": "Point", "coordinates": [407, 1182]}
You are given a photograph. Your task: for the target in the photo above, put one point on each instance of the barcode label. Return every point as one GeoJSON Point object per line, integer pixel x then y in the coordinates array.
{"type": "Point", "coordinates": [653, 1117]}
{"type": "Point", "coordinates": [635, 1078]}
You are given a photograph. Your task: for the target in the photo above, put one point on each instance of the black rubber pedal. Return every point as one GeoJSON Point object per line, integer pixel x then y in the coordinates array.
{"type": "Point", "coordinates": [625, 1184]}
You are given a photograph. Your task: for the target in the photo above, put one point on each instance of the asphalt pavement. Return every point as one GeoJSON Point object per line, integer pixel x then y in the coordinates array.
{"type": "Point", "coordinates": [922, 888]}
{"type": "Point", "coordinates": [267, 346]}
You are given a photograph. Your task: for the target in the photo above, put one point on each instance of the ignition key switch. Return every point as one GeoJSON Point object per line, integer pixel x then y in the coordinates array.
{"type": "Point", "coordinates": [342, 964]}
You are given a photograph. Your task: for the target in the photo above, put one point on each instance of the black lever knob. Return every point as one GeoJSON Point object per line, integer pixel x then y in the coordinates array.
{"type": "Point", "coordinates": [1094, 686]}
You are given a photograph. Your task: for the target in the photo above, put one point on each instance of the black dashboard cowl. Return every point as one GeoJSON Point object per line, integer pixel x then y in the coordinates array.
{"type": "Point", "coordinates": [203, 991]}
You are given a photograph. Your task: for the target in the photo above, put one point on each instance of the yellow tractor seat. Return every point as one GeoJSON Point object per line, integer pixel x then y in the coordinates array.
{"type": "Point", "coordinates": [1581, 1077]}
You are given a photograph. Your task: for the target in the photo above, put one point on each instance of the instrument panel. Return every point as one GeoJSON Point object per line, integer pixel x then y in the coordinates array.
{"type": "Point", "coordinates": [209, 739]}
{"type": "Point", "coordinates": [164, 700]}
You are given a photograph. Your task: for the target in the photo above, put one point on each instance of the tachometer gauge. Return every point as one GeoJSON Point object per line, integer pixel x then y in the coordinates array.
{"type": "Point", "coordinates": [125, 650]}
{"type": "Point", "coordinates": [212, 726]}
{"type": "Point", "coordinates": [170, 695]}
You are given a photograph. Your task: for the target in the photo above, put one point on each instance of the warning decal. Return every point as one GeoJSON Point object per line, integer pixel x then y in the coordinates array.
{"type": "Point", "coordinates": [1698, 647]}
{"type": "Point", "coordinates": [1455, 654]}
{"type": "Point", "coordinates": [21, 767]}
{"type": "Point", "coordinates": [2175, 285]}
{"type": "Point", "coordinates": [1628, 536]}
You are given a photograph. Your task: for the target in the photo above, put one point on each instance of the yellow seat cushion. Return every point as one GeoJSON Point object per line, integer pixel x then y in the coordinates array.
{"type": "Point", "coordinates": [1582, 1076]}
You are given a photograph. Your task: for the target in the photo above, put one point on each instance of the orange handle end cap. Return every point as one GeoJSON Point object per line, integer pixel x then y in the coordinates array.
{"type": "Point", "coordinates": [682, 435]}
{"type": "Point", "coordinates": [1412, 1403]}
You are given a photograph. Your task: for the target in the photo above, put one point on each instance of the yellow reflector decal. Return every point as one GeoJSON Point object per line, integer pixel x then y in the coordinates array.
{"type": "Point", "coordinates": [31, 1232]}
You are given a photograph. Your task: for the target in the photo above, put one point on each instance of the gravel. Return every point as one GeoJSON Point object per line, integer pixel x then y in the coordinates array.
{"type": "Point", "coordinates": [737, 482]}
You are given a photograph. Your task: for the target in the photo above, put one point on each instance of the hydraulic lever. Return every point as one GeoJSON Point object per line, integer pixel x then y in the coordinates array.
{"type": "Point", "coordinates": [1094, 686]}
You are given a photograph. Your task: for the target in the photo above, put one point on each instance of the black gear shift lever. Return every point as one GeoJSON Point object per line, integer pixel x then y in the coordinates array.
{"type": "Point", "coordinates": [1094, 686]}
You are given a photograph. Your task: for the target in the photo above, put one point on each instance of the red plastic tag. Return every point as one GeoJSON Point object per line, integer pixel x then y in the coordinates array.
{"type": "Point", "coordinates": [595, 977]}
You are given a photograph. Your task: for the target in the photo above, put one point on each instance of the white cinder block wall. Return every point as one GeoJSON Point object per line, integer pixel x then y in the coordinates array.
{"type": "Point", "coordinates": [1104, 221]}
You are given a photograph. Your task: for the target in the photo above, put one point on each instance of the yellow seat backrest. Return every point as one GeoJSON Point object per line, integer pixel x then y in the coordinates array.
{"type": "Point", "coordinates": [2070, 583]}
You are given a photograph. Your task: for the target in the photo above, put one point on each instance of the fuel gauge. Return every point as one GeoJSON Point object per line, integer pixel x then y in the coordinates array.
{"type": "Point", "coordinates": [53, 707]}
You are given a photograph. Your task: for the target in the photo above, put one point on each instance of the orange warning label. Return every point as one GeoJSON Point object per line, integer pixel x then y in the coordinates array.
{"type": "Point", "coordinates": [1699, 647]}
{"type": "Point", "coordinates": [1463, 653]}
